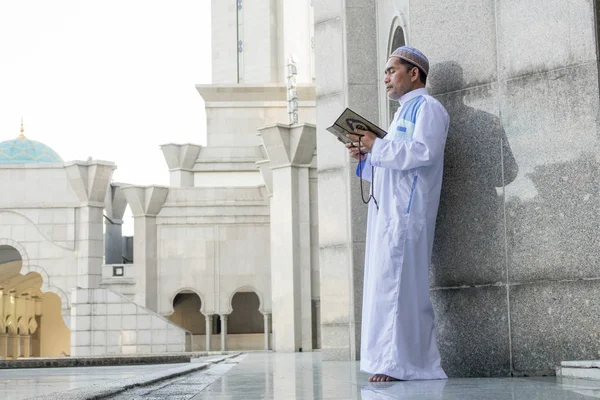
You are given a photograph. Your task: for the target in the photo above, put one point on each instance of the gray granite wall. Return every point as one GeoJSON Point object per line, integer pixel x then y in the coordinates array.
{"type": "Point", "coordinates": [346, 73]}
{"type": "Point", "coordinates": [515, 276]}
{"type": "Point", "coordinates": [515, 279]}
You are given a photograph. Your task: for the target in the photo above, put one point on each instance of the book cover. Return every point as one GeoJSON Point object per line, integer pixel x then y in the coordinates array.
{"type": "Point", "coordinates": [350, 120]}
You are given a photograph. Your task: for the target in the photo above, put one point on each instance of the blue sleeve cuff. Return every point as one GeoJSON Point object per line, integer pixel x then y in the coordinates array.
{"type": "Point", "coordinates": [361, 166]}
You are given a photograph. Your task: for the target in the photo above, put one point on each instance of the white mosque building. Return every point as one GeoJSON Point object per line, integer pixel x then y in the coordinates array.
{"type": "Point", "coordinates": [241, 252]}
{"type": "Point", "coordinates": [224, 258]}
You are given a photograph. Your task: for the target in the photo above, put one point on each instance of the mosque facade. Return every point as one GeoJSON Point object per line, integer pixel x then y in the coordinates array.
{"type": "Point", "coordinates": [257, 243]}
{"type": "Point", "coordinates": [222, 258]}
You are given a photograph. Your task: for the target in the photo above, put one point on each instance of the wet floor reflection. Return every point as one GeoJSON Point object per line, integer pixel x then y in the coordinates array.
{"type": "Point", "coordinates": [303, 376]}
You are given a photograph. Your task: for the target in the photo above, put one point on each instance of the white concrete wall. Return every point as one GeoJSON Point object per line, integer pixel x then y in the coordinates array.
{"type": "Point", "coordinates": [56, 263]}
{"type": "Point", "coordinates": [236, 126]}
{"type": "Point", "coordinates": [213, 241]}
{"type": "Point", "coordinates": [52, 187]}
{"type": "Point", "coordinates": [41, 221]}
{"type": "Point", "coordinates": [295, 23]}
{"type": "Point", "coordinates": [224, 41]}
{"type": "Point", "coordinates": [234, 113]}
{"type": "Point", "coordinates": [104, 322]}
{"type": "Point", "coordinates": [259, 37]}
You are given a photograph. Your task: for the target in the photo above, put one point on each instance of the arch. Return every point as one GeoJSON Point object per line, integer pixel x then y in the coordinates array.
{"type": "Point", "coordinates": [398, 34]}
{"type": "Point", "coordinates": [48, 287]}
{"type": "Point", "coordinates": [246, 317]}
{"type": "Point", "coordinates": [29, 284]}
{"type": "Point", "coordinates": [11, 325]}
{"type": "Point", "coordinates": [32, 325]}
{"type": "Point", "coordinates": [180, 290]}
{"type": "Point", "coordinates": [18, 247]}
{"type": "Point", "coordinates": [397, 38]}
{"type": "Point", "coordinates": [59, 341]}
{"type": "Point", "coordinates": [246, 288]}
{"type": "Point", "coordinates": [22, 326]}
{"type": "Point", "coordinates": [187, 313]}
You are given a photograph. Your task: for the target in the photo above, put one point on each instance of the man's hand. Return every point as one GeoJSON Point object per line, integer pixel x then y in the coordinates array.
{"type": "Point", "coordinates": [366, 140]}
{"type": "Point", "coordinates": [355, 153]}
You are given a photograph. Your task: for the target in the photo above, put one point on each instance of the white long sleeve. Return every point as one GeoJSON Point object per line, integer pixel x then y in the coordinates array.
{"type": "Point", "coordinates": [428, 142]}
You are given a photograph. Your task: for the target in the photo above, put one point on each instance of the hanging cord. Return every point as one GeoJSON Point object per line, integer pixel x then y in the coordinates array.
{"type": "Point", "coordinates": [360, 170]}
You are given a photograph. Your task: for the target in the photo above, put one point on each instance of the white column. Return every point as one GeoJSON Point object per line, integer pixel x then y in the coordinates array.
{"type": "Point", "coordinates": [290, 151]}
{"type": "Point", "coordinates": [13, 346]}
{"type": "Point", "coordinates": [181, 159]}
{"type": "Point", "coordinates": [223, 331]}
{"type": "Point", "coordinates": [266, 316]}
{"type": "Point", "coordinates": [146, 202]}
{"type": "Point", "coordinates": [208, 319]}
{"type": "Point", "coordinates": [89, 181]}
{"type": "Point", "coordinates": [26, 346]}
{"type": "Point", "coordinates": [90, 243]}
{"type": "Point", "coordinates": [3, 346]}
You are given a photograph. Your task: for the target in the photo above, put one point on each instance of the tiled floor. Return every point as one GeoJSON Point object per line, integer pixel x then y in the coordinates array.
{"type": "Point", "coordinates": [300, 376]}
{"type": "Point", "coordinates": [303, 376]}
{"type": "Point", "coordinates": [17, 384]}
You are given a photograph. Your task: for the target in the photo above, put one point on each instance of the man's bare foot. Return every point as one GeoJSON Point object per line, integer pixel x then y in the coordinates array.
{"type": "Point", "coordinates": [382, 378]}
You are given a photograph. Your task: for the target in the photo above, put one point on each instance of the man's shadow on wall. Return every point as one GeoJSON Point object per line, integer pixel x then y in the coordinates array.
{"type": "Point", "coordinates": [469, 245]}
{"type": "Point", "coordinates": [469, 239]}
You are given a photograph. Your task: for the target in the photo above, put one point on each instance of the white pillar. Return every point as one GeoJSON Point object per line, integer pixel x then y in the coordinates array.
{"type": "Point", "coordinates": [89, 181]}
{"type": "Point", "coordinates": [3, 346]}
{"type": "Point", "coordinates": [290, 151]}
{"type": "Point", "coordinates": [208, 319]}
{"type": "Point", "coordinates": [223, 331]}
{"type": "Point", "coordinates": [266, 316]}
{"type": "Point", "coordinates": [13, 346]}
{"type": "Point", "coordinates": [181, 159]}
{"type": "Point", "coordinates": [146, 202]}
{"type": "Point", "coordinates": [25, 346]}
{"type": "Point", "coordinates": [90, 254]}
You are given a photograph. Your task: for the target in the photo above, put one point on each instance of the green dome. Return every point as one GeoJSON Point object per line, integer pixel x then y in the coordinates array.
{"type": "Point", "coordinates": [24, 151]}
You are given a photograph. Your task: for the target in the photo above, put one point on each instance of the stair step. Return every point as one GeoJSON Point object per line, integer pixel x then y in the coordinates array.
{"type": "Point", "coordinates": [589, 369]}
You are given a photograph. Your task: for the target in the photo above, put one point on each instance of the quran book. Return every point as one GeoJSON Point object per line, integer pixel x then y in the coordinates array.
{"type": "Point", "coordinates": [348, 121]}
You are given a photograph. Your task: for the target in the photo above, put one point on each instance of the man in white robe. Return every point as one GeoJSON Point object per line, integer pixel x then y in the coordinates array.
{"type": "Point", "coordinates": [405, 171]}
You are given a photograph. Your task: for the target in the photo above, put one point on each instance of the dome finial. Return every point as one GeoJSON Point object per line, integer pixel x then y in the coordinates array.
{"type": "Point", "coordinates": [22, 136]}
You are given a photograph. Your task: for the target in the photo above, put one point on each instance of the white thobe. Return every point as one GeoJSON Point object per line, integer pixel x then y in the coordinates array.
{"type": "Point", "coordinates": [398, 331]}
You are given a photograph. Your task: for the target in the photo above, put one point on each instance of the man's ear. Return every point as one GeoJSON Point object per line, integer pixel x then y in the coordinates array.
{"type": "Point", "coordinates": [414, 74]}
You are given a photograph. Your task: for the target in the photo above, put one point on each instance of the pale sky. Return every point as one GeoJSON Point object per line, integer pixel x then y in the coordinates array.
{"type": "Point", "coordinates": [110, 79]}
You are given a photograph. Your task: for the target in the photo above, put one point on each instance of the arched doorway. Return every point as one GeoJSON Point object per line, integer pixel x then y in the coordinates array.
{"type": "Point", "coordinates": [186, 313]}
{"type": "Point", "coordinates": [398, 39]}
{"type": "Point", "coordinates": [31, 323]}
{"type": "Point", "coordinates": [245, 324]}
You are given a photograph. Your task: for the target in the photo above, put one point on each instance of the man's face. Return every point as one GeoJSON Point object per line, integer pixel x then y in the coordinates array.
{"type": "Point", "coordinates": [398, 81]}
